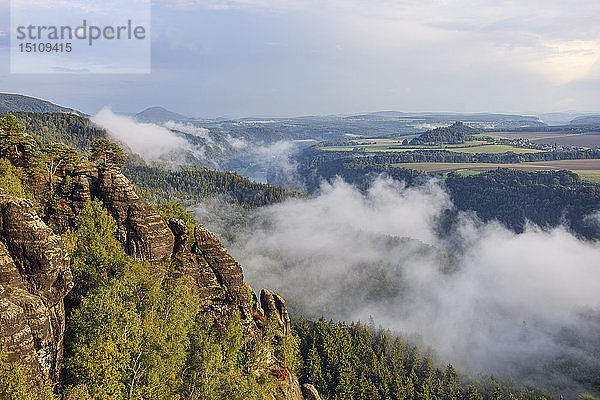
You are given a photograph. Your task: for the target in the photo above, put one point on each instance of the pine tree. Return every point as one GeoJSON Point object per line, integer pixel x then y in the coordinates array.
{"type": "Point", "coordinates": [472, 394]}
{"type": "Point", "coordinates": [9, 125]}
{"type": "Point", "coordinates": [15, 144]}
{"type": "Point", "coordinates": [313, 369]}
{"type": "Point", "coordinates": [107, 153]}
{"type": "Point", "coordinates": [53, 158]}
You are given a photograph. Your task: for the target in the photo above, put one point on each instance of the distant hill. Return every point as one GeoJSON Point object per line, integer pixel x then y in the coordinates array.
{"type": "Point", "coordinates": [454, 134]}
{"type": "Point", "coordinates": [158, 115]}
{"type": "Point", "coordinates": [18, 102]}
{"type": "Point", "coordinates": [403, 123]}
{"type": "Point", "coordinates": [433, 116]}
{"type": "Point", "coordinates": [586, 120]}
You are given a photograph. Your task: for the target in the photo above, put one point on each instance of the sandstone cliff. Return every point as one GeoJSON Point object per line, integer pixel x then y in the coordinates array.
{"type": "Point", "coordinates": [142, 231]}
{"type": "Point", "coordinates": [34, 279]}
{"type": "Point", "coordinates": [35, 275]}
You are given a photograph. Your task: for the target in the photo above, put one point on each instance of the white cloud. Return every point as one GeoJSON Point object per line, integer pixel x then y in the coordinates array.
{"type": "Point", "coordinates": [567, 61]}
{"type": "Point", "coordinates": [190, 129]}
{"type": "Point", "coordinates": [539, 36]}
{"type": "Point", "coordinates": [236, 143]}
{"type": "Point", "coordinates": [149, 140]}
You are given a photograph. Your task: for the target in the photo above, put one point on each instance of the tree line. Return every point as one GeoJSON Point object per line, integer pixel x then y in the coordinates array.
{"type": "Point", "coordinates": [192, 184]}
{"type": "Point", "coordinates": [71, 129]}
{"type": "Point", "coordinates": [357, 361]}
{"type": "Point", "coordinates": [546, 198]}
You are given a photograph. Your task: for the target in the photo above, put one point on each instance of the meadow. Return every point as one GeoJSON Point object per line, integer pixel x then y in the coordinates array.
{"type": "Point", "coordinates": [395, 145]}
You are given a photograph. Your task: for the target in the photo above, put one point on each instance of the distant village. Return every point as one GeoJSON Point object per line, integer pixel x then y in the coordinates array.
{"type": "Point", "coordinates": [528, 144]}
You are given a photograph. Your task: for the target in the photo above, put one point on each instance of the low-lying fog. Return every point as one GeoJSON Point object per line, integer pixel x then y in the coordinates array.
{"type": "Point", "coordinates": [486, 299]}
{"type": "Point", "coordinates": [497, 303]}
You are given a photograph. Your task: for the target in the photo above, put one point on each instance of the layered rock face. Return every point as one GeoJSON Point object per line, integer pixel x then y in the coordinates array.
{"type": "Point", "coordinates": [201, 259]}
{"type": "Point", "coordinates": [35, 275]}
{"type": "Point", "coordinates": [34, 279]}
{"type": "Point", "coordinates": [141, 229]}
{"type": "Point", "coordinates": [274, 307]}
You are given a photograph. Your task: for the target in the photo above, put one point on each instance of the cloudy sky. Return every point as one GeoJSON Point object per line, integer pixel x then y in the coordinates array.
{"type": "Point", "coordinates": [297, 57]}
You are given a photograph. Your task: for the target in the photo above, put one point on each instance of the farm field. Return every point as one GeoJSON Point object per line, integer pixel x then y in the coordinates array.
{"type": "Point", "coordinates": [573, 165]}
{"type": "Point", "coordinates": [395, 145]}
{"type": "Point", "coordinates": [578, 139]}
{"type": "Point", "coordinates": [588, 175]}
{"type": "Point", "coordinates": [586, 169]}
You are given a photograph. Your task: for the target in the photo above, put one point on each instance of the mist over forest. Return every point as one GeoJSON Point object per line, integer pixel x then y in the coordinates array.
{"type": "Point", "coordinates": [518, 306]}
{"type": "Point", "coordinates": [299, 200]}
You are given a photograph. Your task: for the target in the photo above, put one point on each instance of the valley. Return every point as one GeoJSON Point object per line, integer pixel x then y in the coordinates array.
{"type": "Point", "coordinates": [360, 232]}
{"type": "Point", "coordinates": [300, 200]}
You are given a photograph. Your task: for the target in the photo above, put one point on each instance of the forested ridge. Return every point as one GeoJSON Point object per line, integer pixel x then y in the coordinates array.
{"type": "Point", "coordinates": [70, 129]}
{"type": "Point", "coordinates": [187, 184]}
{"type": "Point", "coordinates": [17, 102]}
{"type": "Point", "coordinates": [314, 158]}
{"type": "Point", "coordinates": [546, 198]}
{"type": "Point", "coordinates": [358, 361]}
{"type": "Point", "coordinates": [191, 185]}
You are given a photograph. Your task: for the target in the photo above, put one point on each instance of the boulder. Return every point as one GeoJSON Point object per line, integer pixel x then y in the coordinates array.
{"type": "Point", "coordinates": [310, 392]}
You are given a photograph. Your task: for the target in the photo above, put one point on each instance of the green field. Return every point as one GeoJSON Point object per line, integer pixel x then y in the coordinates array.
{"type": "Point", "coordinates": [588, 170]}
{"type": "Point", "coordinates": [492, 148]}
{"type": "Point", "coordinates": [447, 167]}
{"type": "Point", "coordinates": [394, 145]}
{"type": "Point", "coordinates": [592, 176]}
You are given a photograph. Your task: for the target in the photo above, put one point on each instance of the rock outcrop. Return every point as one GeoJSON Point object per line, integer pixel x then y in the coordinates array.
{"type": "Point", "coordinates": [34, 279]}
{"type": "Point", "coordinates": [35, 275]}
{"type": "Point", "coordinates": [200, 259]}
{"type": "Point", "coordinates": [206, 266]}
{"type": "Point", "coordinates": [142, 230]}
{"type": "Point", "coordinates": [289, 389]}
{"type": "Point", "coordinates": [274, 308]}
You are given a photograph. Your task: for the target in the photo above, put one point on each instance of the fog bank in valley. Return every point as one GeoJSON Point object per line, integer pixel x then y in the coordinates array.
{"type": "Point", "coordinates": [151, 141]}
{"type": "Point", "coordinates": [498, 302]}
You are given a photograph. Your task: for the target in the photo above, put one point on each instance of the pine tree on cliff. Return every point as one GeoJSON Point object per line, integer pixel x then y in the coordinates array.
{"type": "Point", "coordinates": [313, 370]}
{"type": "Point", "coordinates": [53, 158]}
{"type": "Point", "coordinates": [107, 153]}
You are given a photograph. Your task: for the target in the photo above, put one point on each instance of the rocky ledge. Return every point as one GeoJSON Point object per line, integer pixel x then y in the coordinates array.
{"type": "Point", "coordinates": [35, 276]}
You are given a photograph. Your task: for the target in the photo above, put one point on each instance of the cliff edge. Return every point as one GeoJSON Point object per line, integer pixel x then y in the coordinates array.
{"type": "Point", "coordinates": [35, 276]}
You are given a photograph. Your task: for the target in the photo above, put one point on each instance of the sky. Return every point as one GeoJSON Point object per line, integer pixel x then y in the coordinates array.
{"type": "Point", "coordinates": [238, 58]}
